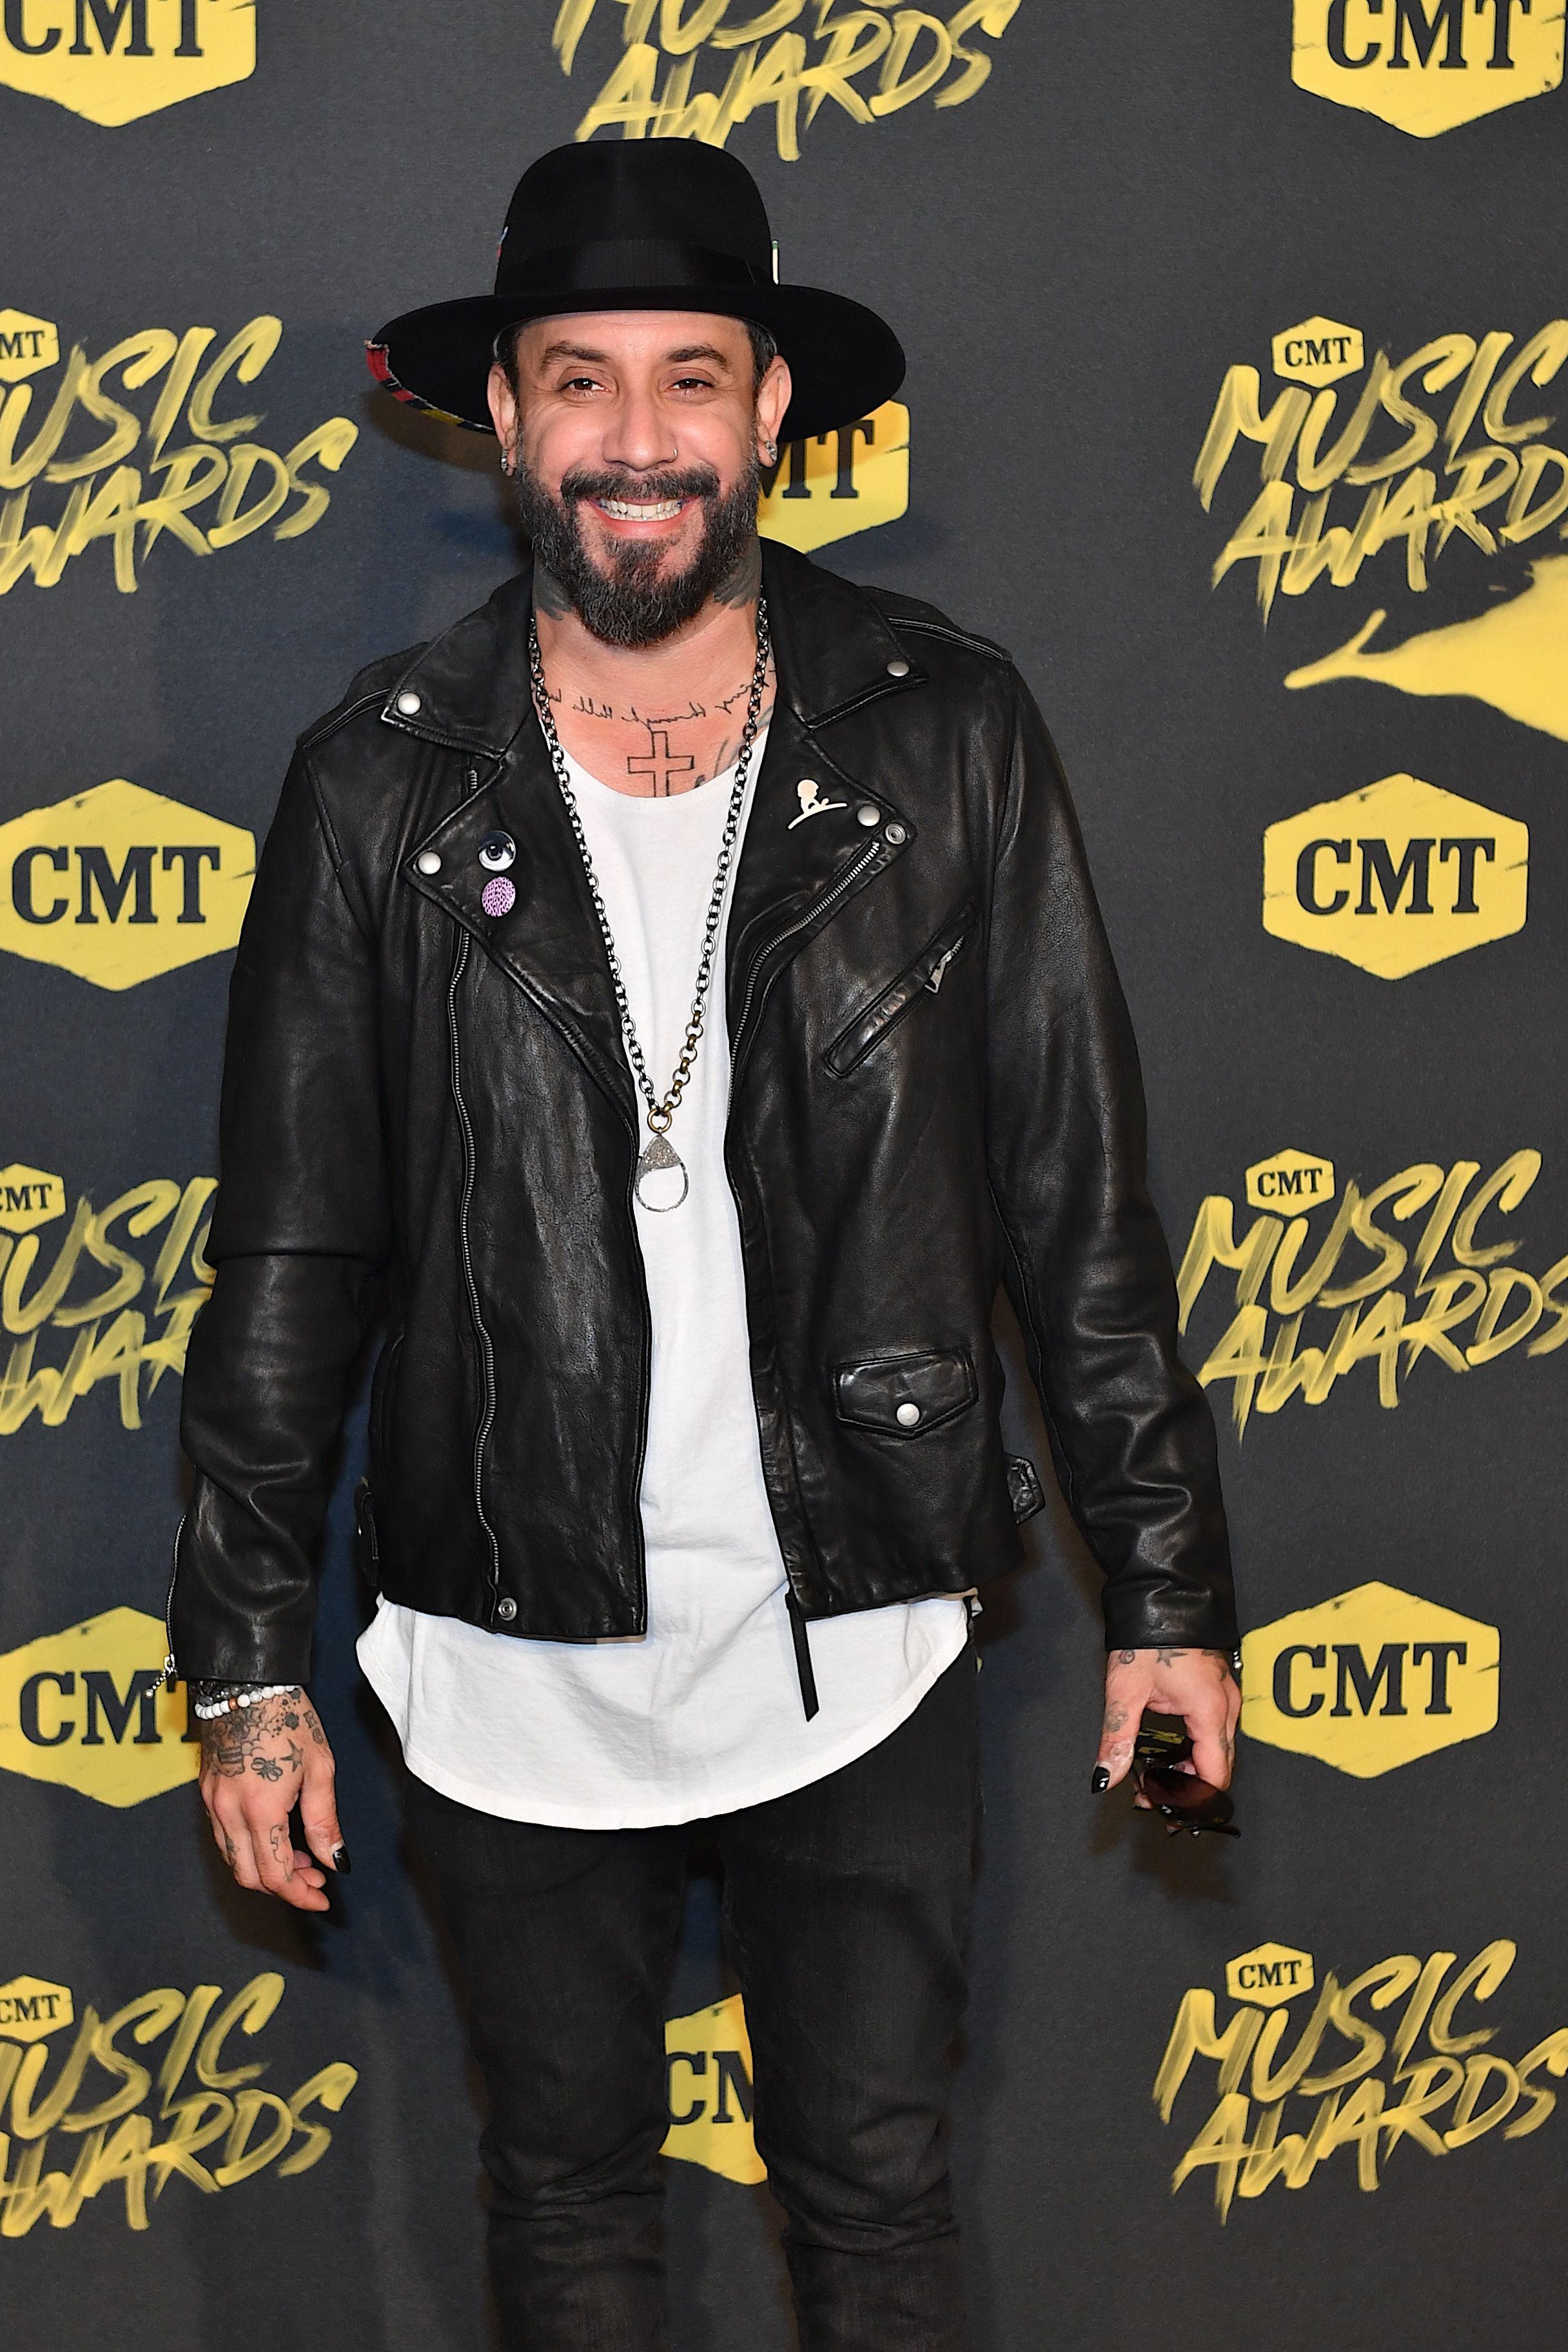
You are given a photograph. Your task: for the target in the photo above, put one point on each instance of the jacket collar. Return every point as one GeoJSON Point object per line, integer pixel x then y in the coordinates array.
{"type": "Point", "coordinates": [469, 688]}
{"type": "Point", "coordinates": [833, 647]}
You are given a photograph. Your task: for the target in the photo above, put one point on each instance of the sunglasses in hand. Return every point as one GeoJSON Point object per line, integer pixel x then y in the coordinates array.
{"type": "Point", "coordinates": [1183, 1801]}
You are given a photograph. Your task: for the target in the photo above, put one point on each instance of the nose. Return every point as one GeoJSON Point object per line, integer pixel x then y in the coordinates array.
{"type": "Point", "coordinates": [641, 434]}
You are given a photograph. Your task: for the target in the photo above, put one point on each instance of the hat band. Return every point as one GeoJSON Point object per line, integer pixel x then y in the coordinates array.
{"type": "Point", "coordinates": [628, 261]}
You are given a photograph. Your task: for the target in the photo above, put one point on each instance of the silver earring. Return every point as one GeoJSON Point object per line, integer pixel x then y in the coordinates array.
{"type": "Point", "coordinates": [772, 450]}
{"type": "Point", "coordinates": [506, 464]}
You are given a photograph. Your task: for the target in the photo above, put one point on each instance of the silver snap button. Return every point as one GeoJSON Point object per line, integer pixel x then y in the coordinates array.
{"type": "Point", "coordinates": [408, 702]}
{"type": "Point", "coordinates": [908, 1413]}
{"type": "Point", "coordinates": [497, 852]}
{"type": "Point", "coordinates": [896, 833]}
{"type": "Point", "coordinates": [506, 1609]}
{"type": "Point", "coordinates": [866, 814]}
{"type": "Point", "coordinates": [898, 669]}
{"type": "Point", "coordinates": [428, 861]}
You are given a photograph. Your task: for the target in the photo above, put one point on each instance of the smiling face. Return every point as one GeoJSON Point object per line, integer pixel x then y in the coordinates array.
{"type": "Point", "coordinates": [636, 438]}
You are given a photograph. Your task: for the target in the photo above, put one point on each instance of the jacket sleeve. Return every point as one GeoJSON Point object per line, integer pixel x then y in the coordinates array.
{"type": "Point", "coordinates": [300, 1233]}
{"type": "Point", "coordinates": [1088, 1271]}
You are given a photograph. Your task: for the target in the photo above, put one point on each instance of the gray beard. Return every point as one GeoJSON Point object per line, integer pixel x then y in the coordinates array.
{"type": "Point", "coordinates": [632, 604]}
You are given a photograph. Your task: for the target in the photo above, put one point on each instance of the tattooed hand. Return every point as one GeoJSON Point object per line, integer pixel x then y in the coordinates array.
{"type": "Point", "coordinates": [257, 1763]}
{"type": "Point", "coordinates": [1196, 1684]}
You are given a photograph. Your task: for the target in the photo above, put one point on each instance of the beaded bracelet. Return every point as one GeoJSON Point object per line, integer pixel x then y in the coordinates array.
{"type": "Point", "coordinates": [208, 1710]}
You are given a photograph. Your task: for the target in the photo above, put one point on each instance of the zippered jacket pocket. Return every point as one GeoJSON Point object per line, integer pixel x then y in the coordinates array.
{"type": "Point", "coordinates": [924, 977]}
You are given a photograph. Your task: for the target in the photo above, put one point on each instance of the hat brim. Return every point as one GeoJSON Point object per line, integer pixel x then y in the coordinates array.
{"type": "Point", "coordinates": [844, 362]}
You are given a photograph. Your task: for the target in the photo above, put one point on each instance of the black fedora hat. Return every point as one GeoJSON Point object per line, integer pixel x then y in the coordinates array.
{"type": "Point", "coordinates": [641, 224]}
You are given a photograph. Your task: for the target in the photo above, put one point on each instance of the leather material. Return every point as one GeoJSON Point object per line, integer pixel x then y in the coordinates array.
{"type": "Point", "coordinates": [1023, 1487]}
{"type": "Point", "coordinates": [929, 970]}
{"type": "Point", "coordinates": [427, 1116]}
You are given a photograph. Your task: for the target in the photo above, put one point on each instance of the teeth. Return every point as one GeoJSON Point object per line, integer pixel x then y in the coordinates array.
{"type": "Point", "coordinates": [621, 511]}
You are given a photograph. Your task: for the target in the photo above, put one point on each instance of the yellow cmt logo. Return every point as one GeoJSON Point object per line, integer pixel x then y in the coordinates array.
{"type": "Point", "coordinates": [1290, 1179]}
{"type": "Point", "coordinates": [28, 1199]}
{"type": "Point", "coordinates": [1270, 1974]}
{"type": "Point", "coordinates": [1394, 878]}
{"type": "Point", "coordinates": [26, 345]}
{"type": "Point", "coordinates": [1425, 66]}
{"type": "Point", "coordinates": [708, 2067]}
{"type": "Point", "coordinates": [115, 60]}
{"type": "Point", "coordinates": [85, 1708]}
{"type": "Point", "coordinates": [1318, 351]}
{"type": "Point", "coordinates": [120, 884]}
{"type": "Point", "coordinates": [1370, 1680]}
{"type": "Point", "coordinates": [30, 2007]}
{"type": "Point", "coordinates": [847, 480]}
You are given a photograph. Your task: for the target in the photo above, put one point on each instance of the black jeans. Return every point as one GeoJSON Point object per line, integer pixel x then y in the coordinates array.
{"type": "Point", "coordinates": [846, 1914]}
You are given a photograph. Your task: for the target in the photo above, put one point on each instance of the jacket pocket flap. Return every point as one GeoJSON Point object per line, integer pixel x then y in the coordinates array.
{"type": "Point", "coordinates": [905, 1395]}
{"type": "Point", "coordinates": [924, 976]}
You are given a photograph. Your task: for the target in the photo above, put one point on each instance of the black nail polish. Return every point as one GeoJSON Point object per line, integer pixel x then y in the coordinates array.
{"type": "Point", "coordinates": [1100, 1780]}
{"type": "Point", "coordinates": [341, 1862]}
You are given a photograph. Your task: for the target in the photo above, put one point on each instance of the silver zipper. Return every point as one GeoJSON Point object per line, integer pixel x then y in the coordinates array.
{"type": "Point", "coordinates": [168, 1675]}
{"type": "Point", "coordinates": [934, 977]}
{"type": "Point", "coordinates": [487, 1416]}
{"type": "Point", "coordinates": [803, 923]}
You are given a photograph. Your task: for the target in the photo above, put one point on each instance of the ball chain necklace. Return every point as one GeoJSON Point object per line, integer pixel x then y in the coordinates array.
{"type": "Point", "coordinates": [660, 1153]}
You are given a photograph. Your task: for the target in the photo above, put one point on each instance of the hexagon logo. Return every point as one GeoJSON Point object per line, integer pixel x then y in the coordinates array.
{"type": "Point", "coordinates": [1370, 1680]}
{"type": "Point", "coordinates": [1291, 1181]}
{"type": "Point", "coordinates": [27, 344]}
{"type": "Point", "coordinates": [118, 884]}
{"type": "Point", "coordinates": [116, 60]}
{"type": "Point", "coordinates": [708, 2069]}
{"type": "Point", "coordinates": [85, 1708]}
{"type": "Point", "coordinates": [30, 2007]}
{"type": "Point", "coordinates": [846, 480]}
{"type": "Point", "coordinates": [29, 1198]}
{"type": "Point", "coordinates": [1318, 351]}
{"type": "Point", "coordinates": [1270, 1974]}
{"type": "Point", "coordinates": [1396, 877]}
{"type": "Point", "coordinates": [1425, 66]}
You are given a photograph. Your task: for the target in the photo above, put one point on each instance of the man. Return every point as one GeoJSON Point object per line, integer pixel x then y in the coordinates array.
{"type": "Point", "coordinates": [677, 993]}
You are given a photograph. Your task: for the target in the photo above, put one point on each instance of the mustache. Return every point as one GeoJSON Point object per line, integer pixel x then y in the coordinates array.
{"type": "Point", "coordinates": [689, 482]}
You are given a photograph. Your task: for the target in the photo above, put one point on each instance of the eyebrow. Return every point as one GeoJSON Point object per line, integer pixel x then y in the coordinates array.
{"type": "Point", "coordinates": [563, 350]}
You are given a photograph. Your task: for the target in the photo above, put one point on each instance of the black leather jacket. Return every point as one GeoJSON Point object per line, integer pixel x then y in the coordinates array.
{"type": "Point", "coordinates": [935, 1089]}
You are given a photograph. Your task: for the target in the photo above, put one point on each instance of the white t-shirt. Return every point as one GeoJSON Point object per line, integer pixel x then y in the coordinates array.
{"type": "Point", "coordinates": [703, 1713]}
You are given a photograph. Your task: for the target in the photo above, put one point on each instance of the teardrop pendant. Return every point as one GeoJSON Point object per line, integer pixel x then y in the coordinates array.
{"type": "Point", "coordinates": [660, 1155]}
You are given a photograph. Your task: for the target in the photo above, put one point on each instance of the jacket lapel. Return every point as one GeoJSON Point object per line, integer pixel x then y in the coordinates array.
{"type": "Point", "coordinates": [547, 941]}
{"type": "Point", "coordinates": [819, 831]}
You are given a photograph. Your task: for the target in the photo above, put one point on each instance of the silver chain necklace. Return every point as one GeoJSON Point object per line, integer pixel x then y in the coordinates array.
{"type": "Point", "coordinates": [660, 1153]}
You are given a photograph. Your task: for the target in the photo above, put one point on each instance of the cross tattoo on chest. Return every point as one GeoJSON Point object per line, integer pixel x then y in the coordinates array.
{"type": "Point", "coordinates": [660, 762]}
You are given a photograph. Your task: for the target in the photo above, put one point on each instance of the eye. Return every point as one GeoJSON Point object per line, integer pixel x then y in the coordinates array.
{"type": "Point", "coordinates": [580, 383]}
{"type": "Point", "coordinates": [693, 384]}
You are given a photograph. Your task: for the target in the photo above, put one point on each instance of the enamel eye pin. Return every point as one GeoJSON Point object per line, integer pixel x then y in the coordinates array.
{"type": "Point", "coordinates": [497, 852]}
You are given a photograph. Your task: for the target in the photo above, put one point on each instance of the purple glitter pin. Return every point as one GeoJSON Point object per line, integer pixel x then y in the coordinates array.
{"type": "Point", "coordinates": [498, 897]}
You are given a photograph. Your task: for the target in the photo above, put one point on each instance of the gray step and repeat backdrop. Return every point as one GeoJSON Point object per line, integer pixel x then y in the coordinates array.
{"type": "Point", "coordinates": [1237, 408]}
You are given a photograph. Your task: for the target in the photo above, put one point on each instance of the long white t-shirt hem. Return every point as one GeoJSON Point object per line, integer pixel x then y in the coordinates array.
{"type": "Point", "coordinates": [379, 1658]}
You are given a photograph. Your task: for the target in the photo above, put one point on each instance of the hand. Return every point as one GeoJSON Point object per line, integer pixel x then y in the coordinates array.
{"type": "Point", "coordinates": [257, 1763]}
{"type": "Point", "coordinates": [1196, 1684]}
